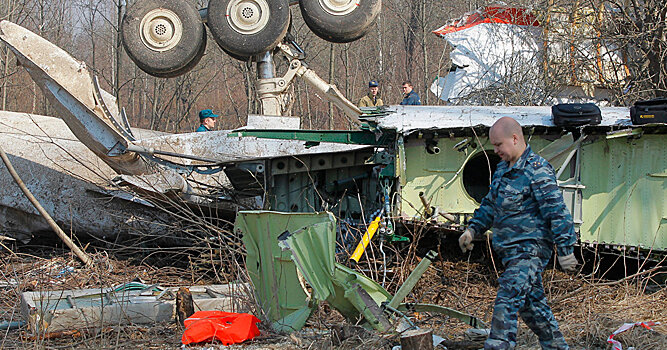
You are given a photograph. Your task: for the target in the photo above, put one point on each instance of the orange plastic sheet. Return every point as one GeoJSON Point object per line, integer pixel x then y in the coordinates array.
{"type": "Point", "coordinates": [227, 327]}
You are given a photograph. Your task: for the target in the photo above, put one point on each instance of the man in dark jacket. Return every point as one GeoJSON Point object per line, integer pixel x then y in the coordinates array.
{"type": "Point", "coordinates": [526, 211]}
{"type": "Point", "coordinates": [410, 97]}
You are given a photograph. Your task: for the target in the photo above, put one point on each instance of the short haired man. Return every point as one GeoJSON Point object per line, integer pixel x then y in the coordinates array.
{"type": "Point", "coordinates": [207, 120]}
{"type": "Point", "coordinates": [410, 97]}
{"type": "Point", "coordinates": [371, 99]}
{"type": "Point", "coordinates": [526, 211]}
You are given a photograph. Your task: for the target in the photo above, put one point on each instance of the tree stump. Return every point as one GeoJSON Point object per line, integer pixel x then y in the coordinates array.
{"type": "Point", "coordinates": [184, 305]}
{"type": "Point", "coordinates": [417, 339]}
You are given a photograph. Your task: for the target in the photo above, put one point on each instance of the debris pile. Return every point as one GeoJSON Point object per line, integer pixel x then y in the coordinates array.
{"type": "Point", "coordinates": [588, 312]}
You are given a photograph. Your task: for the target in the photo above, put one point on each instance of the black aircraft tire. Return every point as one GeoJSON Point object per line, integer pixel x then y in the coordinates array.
{"type": "Point", "coordinates": [237, 57]}
{"type": "Point", "coordinates": [162, 37]}
{"type": "Point", "coordinates": [246, 28]}
{"type": "Point", "coordinates": [346, 26]}
{"type": "Point", "coordinates": [188, 67]}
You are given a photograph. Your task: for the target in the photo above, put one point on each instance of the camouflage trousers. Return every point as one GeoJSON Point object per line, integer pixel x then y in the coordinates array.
{"type": "Point", "coordinates": [520, 291]}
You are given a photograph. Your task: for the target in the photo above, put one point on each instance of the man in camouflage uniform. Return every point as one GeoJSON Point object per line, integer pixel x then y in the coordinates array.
{"type": "Point", "coordinates": [525, 209]}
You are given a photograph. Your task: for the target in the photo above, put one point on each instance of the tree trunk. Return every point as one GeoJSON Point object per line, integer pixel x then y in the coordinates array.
{"type": "Point", "coordinates": [332, 62]}
{"type": "Point", "coordinates": [117, 66]}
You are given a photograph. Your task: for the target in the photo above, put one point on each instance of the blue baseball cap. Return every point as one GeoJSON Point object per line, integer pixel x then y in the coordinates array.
{"type": "Point", "coordinates": [207, 113]}
{"type": "Point", "coordinates": [373, 83]}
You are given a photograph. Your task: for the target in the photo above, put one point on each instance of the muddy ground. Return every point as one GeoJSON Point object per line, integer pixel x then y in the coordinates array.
{"type": "Point", "coordinates": [588, 310]}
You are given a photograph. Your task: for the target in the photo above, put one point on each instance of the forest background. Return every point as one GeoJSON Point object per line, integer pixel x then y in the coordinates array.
{"type": "Point", "coordinates": [400, 46]}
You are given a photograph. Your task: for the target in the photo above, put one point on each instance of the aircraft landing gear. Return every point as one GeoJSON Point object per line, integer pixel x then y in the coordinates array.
{"type": "Point", "coordinates": [340, 21]}
{"type": "Point", "coordinates": [248, 27]}
{"type": "Point", "coordinates": [164, 38]}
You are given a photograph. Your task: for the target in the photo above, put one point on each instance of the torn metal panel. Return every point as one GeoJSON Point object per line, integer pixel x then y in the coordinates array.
{"type": "Point", "coordinates": [313, 250]}
{"type": "Point", "coordinates": [227, 146]}
{"type": "Point", "coordinates": [91, 113]}
{"type": "Point", "coordinates": [273, 274]}
{"type": "Point", "coordinates": [131, 303]}
{"type": "Point", "coordinates": [353, 294]}
{"type": "Point", "coordinates": [348, 291]}
{"type": "Point", "coordinates": [408, 119]}
{"type": "Point", "coordinates": [272, 122]}
{"type": "Point", "coordinates": [68, 85]}
{"type": "Point", "coordinates": [312, 253]}
{"type": "Point", "coordinates": [71, 182]}
{"type": "Point", "coordinates": [283, 279]}
{"type": "Point", "coordinates": [280, 285]}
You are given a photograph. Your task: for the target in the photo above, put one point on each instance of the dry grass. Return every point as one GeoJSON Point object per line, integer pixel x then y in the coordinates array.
{"type": "Point", "coordinates": [587, 312]}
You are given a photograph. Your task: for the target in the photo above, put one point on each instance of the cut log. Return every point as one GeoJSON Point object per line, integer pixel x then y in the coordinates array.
{"type": "Point", "coordinates": [417, 339]}
{"type": "Point", "coordinates": [184, 305]}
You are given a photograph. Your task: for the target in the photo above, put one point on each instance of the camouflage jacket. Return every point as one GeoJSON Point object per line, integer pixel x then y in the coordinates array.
{"type": "Point", "coordinates": [525, 210]}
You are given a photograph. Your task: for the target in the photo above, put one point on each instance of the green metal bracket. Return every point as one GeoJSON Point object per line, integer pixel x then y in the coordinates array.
{"type": "Point", "coordinates": [368, 307]}
{"type": "Point", "coordinates": [314, 136]}
{"type": "Point", "coordinates": [412, 280]}
{"type": "Point", "coordinates": [466, 318]}
{"type": "Point", "coordinates": [397, 238]}
{"type": "Point", "coordinates": [636, 132]}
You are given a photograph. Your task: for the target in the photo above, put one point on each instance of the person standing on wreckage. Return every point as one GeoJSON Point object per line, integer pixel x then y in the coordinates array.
{"type": "Point", "coordinates": [526, 211]}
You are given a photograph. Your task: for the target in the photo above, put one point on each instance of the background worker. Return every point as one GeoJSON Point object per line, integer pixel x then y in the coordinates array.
{"type": "Point", "coordinates": [410, 97]}
{"type": "Point", "coordinates": [372, 99]}
{"type": "Point", "coordinates": [526, 211]}
{"type": "Point", "coordinates": [207, 120]}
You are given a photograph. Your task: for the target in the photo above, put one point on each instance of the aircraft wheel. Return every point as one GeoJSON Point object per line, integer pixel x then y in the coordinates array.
{"type": "Point", "coordinates": [246, 28]}
{"type": "Point", "coordinates": [237, 57]}
{"type": "Point", "coordinates": [340, 21]}
{"type": "Point", "coordinates": [163, 37]}
{"type": "Point", "coordinates": [188, 67]}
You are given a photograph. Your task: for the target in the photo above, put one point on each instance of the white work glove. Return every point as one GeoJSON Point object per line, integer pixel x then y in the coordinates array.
{"type": "Point", "coordinates": [465, 241]}
{"type": "Point", "coordinates": [568, 263]}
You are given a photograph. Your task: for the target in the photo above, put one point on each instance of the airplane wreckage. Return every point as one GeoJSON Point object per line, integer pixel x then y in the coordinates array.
{"type": "Point", "coordinates": [409, 163]}
{"type": "Point", "coordinates": [405, 165]}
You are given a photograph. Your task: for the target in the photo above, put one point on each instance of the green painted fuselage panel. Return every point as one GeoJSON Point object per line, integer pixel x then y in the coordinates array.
{"type": "Point", "coordinates": [623, 194]}
{"type": "Point", "coordinates": [624, 202]}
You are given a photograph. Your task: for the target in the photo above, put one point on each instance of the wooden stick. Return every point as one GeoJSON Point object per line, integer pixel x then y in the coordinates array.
{"type": "Point", "coordinates": [75, 249]}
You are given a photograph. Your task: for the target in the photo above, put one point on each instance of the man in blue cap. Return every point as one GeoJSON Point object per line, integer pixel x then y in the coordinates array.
{"type": "Point", "coordinates": [207, 120]}
{"type": "Point", "coordinates": [372, 99]}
